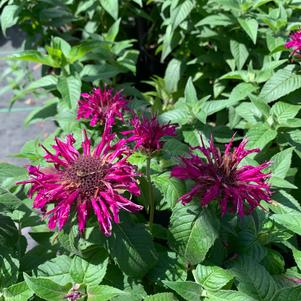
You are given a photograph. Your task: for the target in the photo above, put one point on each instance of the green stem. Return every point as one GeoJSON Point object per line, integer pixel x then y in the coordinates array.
{"type": "Point", "coordinates": [151, 200]}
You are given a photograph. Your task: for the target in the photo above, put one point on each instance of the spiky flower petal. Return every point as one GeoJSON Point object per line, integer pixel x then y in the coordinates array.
{"type": "Point", "coordinates": [237, 188]}
{"type": "Point", "coordinates": [84, 182]}
{"type": "Point", "coordinates": [294, 43]}
{"type": "Point", "coordinates": [101, 106]}
{"type": "Point", "coordinates": [147, 133]}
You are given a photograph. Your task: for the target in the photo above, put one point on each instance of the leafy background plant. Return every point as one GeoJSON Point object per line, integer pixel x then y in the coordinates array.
{"type": "Point", "coordinates": [214, 67]}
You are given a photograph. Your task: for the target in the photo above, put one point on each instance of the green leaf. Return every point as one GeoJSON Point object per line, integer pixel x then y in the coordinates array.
{"type": "Point", "coordinates": [287, 200]}
{"type": "Point", "coordinates": [261, 105]}
{"type": "Point", "coordinates": [260, 135]}
{"type": "Point", "coordinates": [224, 295]}
{"type": "Point", "coordinates": [111, 7]}
{"type": "Point", "coordinates": [78, 52]}
{"type": "Point", "coordinates": [193, 138]}
{"type": "Point", "coordinates": [56, 269]}
{"type": "Point", "coordinates": [117, 49]}
{"type": "Point", "coordinates": [241, 91]}
{"type": "Point", "coordinates": [170, 187]}
{"type": "Point", "coordinates": [291, 221]}
{"type": "Point", "coordinates": [100, 72]}
{"type": "Point", "coordinates": [179, 116]}
{"type": "Point", "coordinates": [294, 138]}
{"type": "Point", "coordinates": [180, 13]}
{"type": "Point", "coordinates": [133, 249]}
{"type": "Point", "coordinates": [192, 231]}
{"type": "Point", "coordinates": [70, 88]}
{"type": "Point", "coordinates": [68, 239]}
{"type": "Point", "coordinates": [190, 92]}
{"type": "Point", "coordinates": [291, 123]}
{"type": "Point", "coordinates": [84, 6]}
{"type": "Point", "coordinates": [32, 56]}
{"type": "Point", "coordinates": [274, 262]}
{"type": "Point", "coordinates": [103, 293]}
{"type": "Point", "coordinates": [281, 163]}
{"type": "Point", "coordinates": [249, 112]}
{"type": "Point", "coordinates": [40, 113]}
{"type": "Point", "coordinates": [215, 20]}
{"type": "Point", "coordinates": [214, 106]}
{"type": "Point", "coordinates": [8, 199]}
{"type": "Point", "coordinates": [9, 266]}
{"type": "Point", "coordinates": [8, 233]}
{"type": "Point", "coordinates": [129, 60]}
{"type": "Point", "coordinates": [254, 280]}
{"type": "Point", "coordinates": [9, 16]}
{"type": "Point", "coordinates": [172, 75]}
{"type": "Point", "coordinates": [283, 82]}
{"type": "Point", "coordinates": [169, 41]}
{"type": "Point", "coordinates": [169, 267]}
{"type": "Point", "coordinates": [135, 291]}
{"type": "Point", "coordinates": [89, 272]}
{"type": "Point", "coordinates": [59, 50]}
{"type": "Point", "coordinates": [288, 294]}
{"type": "Point", "coordinates": [188, 290]}
{"type": "Point", "coordinates": [239, 74]}
{"type": "Point", "coordinates": [259, 3]}
{"type": "Point", "coordinates": [173, 148]}
{"type": "Point", "coordinates": [66, 118]}
{"type": "Point", "coordinates": [240, 53]}
{"type": "Point", "coordinates": [212, 277]}
{"type": "Point", "coordinates": [250, 26]}
{"type": "Point", "coordinates": [281, 183]}
{"type": "Point", "coordinates": [8, 170]}
{"type": "Point", "coordinates": [113, 31]}
{"type": "Point", "coordinates": [284, 111]}
{"type": "Point", "coordinates": [43, 82]}
{"type": "Point", "coordinates": [267, 70]}
{"type": "Point", "coordinates": [161, 297]}
{"type": "Point", "coordinates": [297, 257]}
{"type": "Point", "coordinates": [139, 2]}
{"type": "Point", "coordinates": [46, 288]}
{"type": "Point", "coordinates": [229, 4]}
{"type": "Point", "coordinates": [17, 292]}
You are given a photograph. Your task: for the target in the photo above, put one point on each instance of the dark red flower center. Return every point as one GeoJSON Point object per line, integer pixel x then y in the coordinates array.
{"type": "Point", "coordinates": [226, 171]}
{"type": "Point", "coordinates": [87, 174]}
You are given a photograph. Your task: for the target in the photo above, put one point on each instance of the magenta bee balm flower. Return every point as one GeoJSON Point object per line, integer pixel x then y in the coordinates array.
{"type": "Point", "coordinates": [237, 188]}
{"type": "Point", "coordinates": [101, 106]}
{"type": "Point", "coordinates": [294, 42]}
{"type": "Point", "coordinates": [84, 182]}
{"type": "Point", "coordinates": [147, 133]}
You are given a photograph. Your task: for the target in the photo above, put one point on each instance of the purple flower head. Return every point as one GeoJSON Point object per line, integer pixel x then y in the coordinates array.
{"type": "Point", "coordinates": [294, 42]}
{"type": "Point", "coordinates": [294, 279]}
{"type": "Point", "coordinates": [84, 182]}
{"type": "Point", "coordinates": [238, 189]}
{"type": "Point", "coordinates": [73, 296]}
{"type": "Point", "coordinates": [101, 106]}
{"type": "Point", "coordinates": [147, 133]}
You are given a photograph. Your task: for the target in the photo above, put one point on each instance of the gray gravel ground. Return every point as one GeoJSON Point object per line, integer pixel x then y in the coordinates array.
{"type": "Point", "coordinates": [13, 133]}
